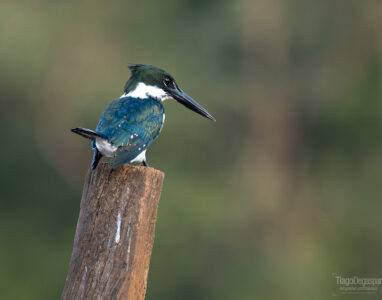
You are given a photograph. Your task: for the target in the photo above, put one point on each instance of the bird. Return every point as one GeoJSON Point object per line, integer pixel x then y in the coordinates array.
{"type": "Point", "coordinates": [130, 123]}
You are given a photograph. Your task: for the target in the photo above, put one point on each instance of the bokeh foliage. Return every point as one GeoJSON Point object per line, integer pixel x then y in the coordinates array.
{"type": "Point", "coordinates": [282, 192]}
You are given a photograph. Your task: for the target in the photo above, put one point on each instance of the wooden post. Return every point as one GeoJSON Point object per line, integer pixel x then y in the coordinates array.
{"type": "Point", "coordinates": [115, 234]}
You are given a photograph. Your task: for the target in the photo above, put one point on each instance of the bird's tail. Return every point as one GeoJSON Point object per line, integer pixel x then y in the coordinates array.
{"type": "Point", "coordinates": [87, 133]}
{"type": "Point", "coordinates": [92, 135]}
{"type": "Point", "coordinates": [96, 158]}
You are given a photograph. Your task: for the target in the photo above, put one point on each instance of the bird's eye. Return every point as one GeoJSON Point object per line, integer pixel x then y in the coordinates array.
{"type": "Point", "coordinates": [168, 82]}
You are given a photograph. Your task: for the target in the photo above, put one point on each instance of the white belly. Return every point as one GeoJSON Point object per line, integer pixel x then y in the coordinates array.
{"type": "Point", "coordinates": [141, 157]}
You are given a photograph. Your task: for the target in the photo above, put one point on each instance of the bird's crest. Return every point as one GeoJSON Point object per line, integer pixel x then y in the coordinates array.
{"type": "Point", "coordinates": [134, 67]}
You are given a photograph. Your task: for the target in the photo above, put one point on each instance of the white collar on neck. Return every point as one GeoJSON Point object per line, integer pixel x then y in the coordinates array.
{"type": "Point", "coordinates": [144, 91]}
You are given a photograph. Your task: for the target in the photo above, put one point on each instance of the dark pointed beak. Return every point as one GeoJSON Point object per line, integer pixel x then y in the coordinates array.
{"type": "Point", "coordinates": [188, 102]}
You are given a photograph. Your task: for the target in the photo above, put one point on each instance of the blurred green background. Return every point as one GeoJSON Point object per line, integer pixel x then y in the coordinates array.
{"type": "Point", "coordinates": [269, 202]}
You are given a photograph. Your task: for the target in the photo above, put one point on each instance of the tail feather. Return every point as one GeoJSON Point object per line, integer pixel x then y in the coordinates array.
{"type": "Point", "coordinates": [87, 133]}
{"type": "Point", "coordinates": [92, 135]}
{"type": "Point", "coordinates": [96, 158]}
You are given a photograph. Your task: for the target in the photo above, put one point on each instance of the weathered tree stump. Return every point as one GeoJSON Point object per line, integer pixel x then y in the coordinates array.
{"type": "Point", "coordinates": [115, 234]}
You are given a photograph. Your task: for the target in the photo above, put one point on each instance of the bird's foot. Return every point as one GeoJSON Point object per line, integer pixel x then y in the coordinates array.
{"type": "Point", "coordinates": [144, 163]}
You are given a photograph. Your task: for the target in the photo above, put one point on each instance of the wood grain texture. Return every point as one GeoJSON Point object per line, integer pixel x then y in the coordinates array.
{"type": "Point", "coordinates": [115, 234]}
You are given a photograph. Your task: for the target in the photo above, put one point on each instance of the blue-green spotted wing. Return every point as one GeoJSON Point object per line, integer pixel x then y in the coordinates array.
{"type": "Point", "coordinates": [131, 124]}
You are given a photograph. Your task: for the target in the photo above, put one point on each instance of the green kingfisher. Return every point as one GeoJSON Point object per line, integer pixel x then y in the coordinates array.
{"type": "Point", "coordinates": [132, 122]}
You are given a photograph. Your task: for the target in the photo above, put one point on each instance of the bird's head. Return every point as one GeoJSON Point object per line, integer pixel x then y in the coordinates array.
{"type": "Point", "coordinates": [149, 81]}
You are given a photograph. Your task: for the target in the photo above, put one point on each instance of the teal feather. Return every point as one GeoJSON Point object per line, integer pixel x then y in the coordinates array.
{"type": "Point", "coordinates": [131, 124]}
